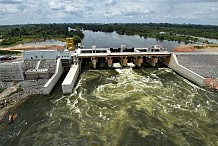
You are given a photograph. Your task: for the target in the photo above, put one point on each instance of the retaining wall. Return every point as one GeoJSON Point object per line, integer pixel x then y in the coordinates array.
{"type": "Point", "coordinates": [70, 79]}
{"type": "Point", "coordinates": [54, 79]}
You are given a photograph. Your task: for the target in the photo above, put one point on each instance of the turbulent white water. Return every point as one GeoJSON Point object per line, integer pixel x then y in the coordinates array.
{"type": "Point", "coordinates": [124, 106]}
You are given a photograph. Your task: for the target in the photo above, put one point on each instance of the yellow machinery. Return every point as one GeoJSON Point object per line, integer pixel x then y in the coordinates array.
{"type": "Point", "coordinates": [70, 44]}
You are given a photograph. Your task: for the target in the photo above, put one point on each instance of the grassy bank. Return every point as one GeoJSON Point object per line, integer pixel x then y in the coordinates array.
{"type": "Point", "coordinates": [6, 52]}
{"type": "Point", "coordinates": [206, 46]}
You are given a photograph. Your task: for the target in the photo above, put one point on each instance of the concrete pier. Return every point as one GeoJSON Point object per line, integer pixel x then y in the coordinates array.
{"type": "Point", "coordinates": [109, 62]}
{"type": "Point", "coordinates": [138, 61]}
{"type": "Point", "coordinates": [70, 79]}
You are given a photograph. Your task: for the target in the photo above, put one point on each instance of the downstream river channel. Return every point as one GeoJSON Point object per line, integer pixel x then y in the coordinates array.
{"type": "Point", "coordinates": [118, 107]}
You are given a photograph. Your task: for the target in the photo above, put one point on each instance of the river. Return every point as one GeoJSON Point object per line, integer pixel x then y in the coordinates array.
{"type": "Point", "coordinates": [114, 40]}
{"type": "Point", "coordinates": [118, 107]}
{"type": "Point", "coordinates": [107, 40]}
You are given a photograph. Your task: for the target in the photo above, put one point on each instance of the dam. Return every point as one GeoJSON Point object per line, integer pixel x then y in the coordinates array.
{"type": "Point", "coordinates": [51, 64]}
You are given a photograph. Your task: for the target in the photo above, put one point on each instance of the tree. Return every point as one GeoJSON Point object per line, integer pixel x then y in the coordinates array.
{"type": "Point", "coordinates": [76, 39]}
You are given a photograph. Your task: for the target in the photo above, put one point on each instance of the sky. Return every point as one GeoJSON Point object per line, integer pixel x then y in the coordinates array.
{"type": "Point", "coordinates": [109, 11]}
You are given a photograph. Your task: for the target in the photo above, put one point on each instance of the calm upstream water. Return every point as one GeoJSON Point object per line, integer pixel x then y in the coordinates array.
{"type": "Point", "coordinates": [119, 107]}
{"type": "Point", "coordinates": [106, 40]}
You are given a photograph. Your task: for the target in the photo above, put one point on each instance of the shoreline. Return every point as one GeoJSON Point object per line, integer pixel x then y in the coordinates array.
{"type": "Point", "coordinates": [13, 96]}
{"type": "Point", "coordinates": [24, 48]}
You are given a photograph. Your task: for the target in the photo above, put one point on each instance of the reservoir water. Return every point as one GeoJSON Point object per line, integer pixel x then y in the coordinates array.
{"type": "Point", "coordinates": [114, 40]}
{"type": "Point", "coordinates": [107, 40]}
{"type": "Point", "coordinates": [118, 107]}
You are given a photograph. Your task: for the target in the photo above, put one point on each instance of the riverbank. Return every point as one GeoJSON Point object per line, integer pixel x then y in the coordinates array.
{"type": "Point", "coordinates": [23, 48]}
{"type": "Point", "coordinates": [18, 93]}
{"type": "Point", "coordinates": [196, 48]}
{"type": "Point", "coordinates": [207, 48]}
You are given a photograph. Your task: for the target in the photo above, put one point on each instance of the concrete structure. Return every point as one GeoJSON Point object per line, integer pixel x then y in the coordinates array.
{"type": "Point", "coordinates": [54, 79]}
{"type": "Point", "coordinates": [70, 80]}
{"type": "Point", "coordinates": [35, 74]}
{"type": "Point", "coordinates": [40, 63]}
{"type": "Point", "coordinates": [157, 48]}
{"type": "Point", "coordinates": [66, 59]}
{"type": "Point", "coordinates": [40, 54]}
{"type": "Point", "coordinates": [203, 63]}
{"type": "Point", "coordinates": [12, 71]}
{"type": "Point", "coordinates": [87, 53]}
{"type": "Point", "coordinates": [124, 56]}
{"type": "Point", "coordinates": [172, 62]}
{"type": "Point", "coordinates": [64, 54]}
{"type": "Point", "coordinates": [48, 64]}
{"type": "Point", "coordinates": [42, 69]}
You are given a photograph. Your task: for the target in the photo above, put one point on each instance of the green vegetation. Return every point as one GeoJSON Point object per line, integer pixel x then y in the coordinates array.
{"type": "Point", "coordinates": [199, 47]}
{"type": "Point", "coordinates": [6, 52]}
{"type": "Point", "coordinates": [163, 31]}
{"type": "Point", "coordinates": [1, 90]}
{"type": "Point", "coordinates": [15, 34]}
{"type": "Point", "coordinates": [19, 89]}
{"type": "Point", "coordinates": [187, 33]}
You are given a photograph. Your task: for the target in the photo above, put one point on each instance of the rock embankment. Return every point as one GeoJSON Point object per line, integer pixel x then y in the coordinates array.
{"type": "Point", "coordinates": [19, 92]}
{"type": "Point", "coordinates": [202, 64]}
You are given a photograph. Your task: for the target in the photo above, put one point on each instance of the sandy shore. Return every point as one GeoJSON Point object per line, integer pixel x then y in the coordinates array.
{"type": "Point", "coordinates": [53, 47]}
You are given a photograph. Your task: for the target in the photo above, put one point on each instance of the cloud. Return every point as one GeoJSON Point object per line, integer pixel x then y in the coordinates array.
{"type": "Point", "coordinates": [11, 1]}
{"type": "Point", "coordinates": [56, 5]}
{"type": "Point", "coordinates": [171, 11]}
{"type": "Point", "coordinates": [110, 2]}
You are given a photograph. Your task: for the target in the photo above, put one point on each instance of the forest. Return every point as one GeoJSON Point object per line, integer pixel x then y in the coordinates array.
{"type": "Point", "coordinates": [187, 33]}
{"type": "Point", "coordinates": [15, 34]}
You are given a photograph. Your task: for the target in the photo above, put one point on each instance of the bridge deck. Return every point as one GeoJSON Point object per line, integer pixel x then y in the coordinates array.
{"type": "Point", "coordinates": [121, 54]}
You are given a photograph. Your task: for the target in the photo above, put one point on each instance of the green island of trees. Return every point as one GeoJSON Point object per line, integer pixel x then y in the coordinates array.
{"type": "Point", "coordinates": [187, 33]}
{"type": "Point", "coordinates": [17, 34]}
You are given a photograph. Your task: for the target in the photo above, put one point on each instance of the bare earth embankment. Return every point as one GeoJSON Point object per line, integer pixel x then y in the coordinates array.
{"type": "Point", "coordinates": [23, 48]}
{"type": "Point", "coordinates": [203, 48]}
